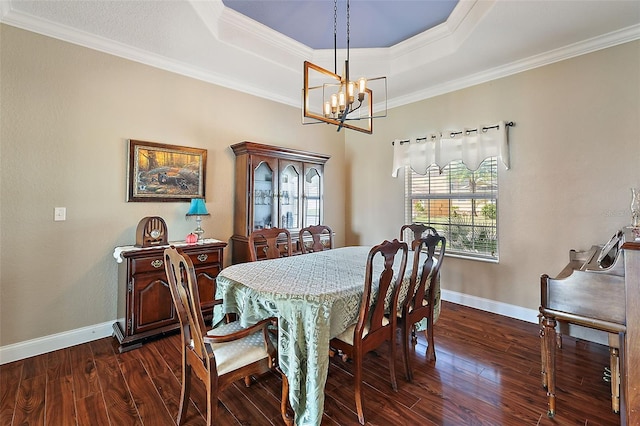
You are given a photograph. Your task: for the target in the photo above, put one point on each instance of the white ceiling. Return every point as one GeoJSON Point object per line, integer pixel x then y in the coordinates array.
{"type": "Point", "coordinates": [480, 41]}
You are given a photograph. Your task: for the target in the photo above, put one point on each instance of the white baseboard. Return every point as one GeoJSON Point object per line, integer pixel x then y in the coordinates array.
{"type": "Point", "coordinates": [53, 342]}
{"type": "Point", "coordinates": [29, 348]}
{"type": "Point", "coordinates": [500, 308]}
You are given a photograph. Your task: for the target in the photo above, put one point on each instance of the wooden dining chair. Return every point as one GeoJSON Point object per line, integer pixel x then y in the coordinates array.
{"type": "Point", "coordinates": [373, 328]}
{"type": "Point", "coordinates": [220, 356]}
{"type": "Point", "coordinates": [269, 243]}
{"type": "Point", "coordinates": [418, 230]}
{"type": "Point", "coordinates": [420, 298]}
{"type": "Point", "coordinates": [317, 233]}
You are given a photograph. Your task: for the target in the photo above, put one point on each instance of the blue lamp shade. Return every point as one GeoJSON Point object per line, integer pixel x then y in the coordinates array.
{"type": "Point", "coordinates": [197, 208]}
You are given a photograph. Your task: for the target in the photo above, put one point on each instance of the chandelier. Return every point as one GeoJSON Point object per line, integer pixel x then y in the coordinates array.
{"type": "Point", "coordinates": [336, 99]}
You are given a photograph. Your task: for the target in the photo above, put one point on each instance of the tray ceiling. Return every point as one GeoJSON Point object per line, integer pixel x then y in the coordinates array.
{"type": "Point", "coordinates": [204, 39]}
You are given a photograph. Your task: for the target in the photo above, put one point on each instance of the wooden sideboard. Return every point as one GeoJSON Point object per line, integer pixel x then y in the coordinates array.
{"type": "Point", "coordinates": [145, 308]}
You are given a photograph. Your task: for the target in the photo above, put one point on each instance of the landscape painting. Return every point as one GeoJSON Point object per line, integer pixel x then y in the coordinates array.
{"type": "Point", "coordinates": [160, 172]}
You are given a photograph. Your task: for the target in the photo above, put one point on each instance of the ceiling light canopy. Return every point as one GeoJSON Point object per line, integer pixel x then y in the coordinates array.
{"type": "Point", "coordinates": [337, 99]}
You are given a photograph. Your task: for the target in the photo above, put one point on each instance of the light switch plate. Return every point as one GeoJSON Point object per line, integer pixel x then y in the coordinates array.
{"type": "Point", "coordinates": [59, 214]}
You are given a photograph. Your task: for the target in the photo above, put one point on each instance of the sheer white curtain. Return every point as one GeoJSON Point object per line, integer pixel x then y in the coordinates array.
{"type": "Point", "coordinates": [471, 145]}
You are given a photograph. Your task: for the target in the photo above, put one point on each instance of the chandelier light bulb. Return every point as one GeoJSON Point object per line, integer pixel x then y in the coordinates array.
{"type": "Point", "coordinates": [350, 89]}
{"type": "Point", "coordinates": [334, 103]}
{"type": "Point", "coordinates": [341, 101]}
{"type": "Point", "coordinates": [362, 85]}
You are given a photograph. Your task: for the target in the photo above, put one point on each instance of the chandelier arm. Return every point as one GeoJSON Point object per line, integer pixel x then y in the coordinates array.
{"type": "Point", "coordinates": [343, 117]}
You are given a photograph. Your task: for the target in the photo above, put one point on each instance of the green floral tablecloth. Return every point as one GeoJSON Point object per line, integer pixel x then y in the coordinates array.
{"type": "Point", "coordinates": [315, 297]}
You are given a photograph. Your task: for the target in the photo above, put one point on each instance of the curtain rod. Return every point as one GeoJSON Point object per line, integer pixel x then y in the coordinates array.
{"type": "Point", "coordinates": [452, 134]}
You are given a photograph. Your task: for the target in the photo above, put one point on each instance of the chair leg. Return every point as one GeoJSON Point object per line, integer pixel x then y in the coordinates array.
{"type": "Point", "coordinates": [184, 393]}
{"type": "Point", "coordinates": [428, 333]}
{"type": "Point", "coordinates": [284, 402]}
{"type": "Point", "coordinates": [358, 387]}
{"type": "Point", "coordinates": [392, 363]}
{"type": "Point", "coordinates": [431, 349]}
{"type": "Point", "coordinates": [212, 398]}
{"type": "Point", "coordinates": [406, 335]}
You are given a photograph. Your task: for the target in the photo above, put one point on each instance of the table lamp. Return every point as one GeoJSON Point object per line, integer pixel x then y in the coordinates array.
{"type": "Point", "coordinates": [198, 209]}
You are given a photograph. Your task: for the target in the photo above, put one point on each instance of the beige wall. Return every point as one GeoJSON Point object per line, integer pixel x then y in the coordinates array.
{"type": "Point", "coordinates": [575, 152]}
{"type": "Point", "coordinates": [66, 114]}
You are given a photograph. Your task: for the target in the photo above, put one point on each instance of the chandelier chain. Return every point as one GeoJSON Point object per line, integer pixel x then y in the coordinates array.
{"type": "Point", "coordinates": [335, 36]}
{"type": "Point", "coordinates": [348, 30]}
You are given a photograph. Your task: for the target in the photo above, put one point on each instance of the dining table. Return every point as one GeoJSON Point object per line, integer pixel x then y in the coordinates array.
{"type": "Point", "coordinates": [315, 297]}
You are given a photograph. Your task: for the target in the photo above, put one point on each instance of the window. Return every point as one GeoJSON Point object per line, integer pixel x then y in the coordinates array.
{"type": "Point", "coordinates": [459, 203]}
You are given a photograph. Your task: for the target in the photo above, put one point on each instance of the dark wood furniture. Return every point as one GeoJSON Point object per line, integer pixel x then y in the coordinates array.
{"type": "Point", "coordinates": [321, 238]}
{"type": "Point", "coordinates": [220, 356]}
{"type": "Point", "coordinates": [269, 243]}
{"type": "Point", "coordinates": [422, 303]}
{"type": "Point", "coordinates": [418, 230]}
{"type": "Point", "coordinates": [601, 291]}
{"type": "Point", "coordinates": [145, 308]}
{"type": "Point", "coordinates": [373, 327]}
{"type": "Point", "coordinates": [275, 188]}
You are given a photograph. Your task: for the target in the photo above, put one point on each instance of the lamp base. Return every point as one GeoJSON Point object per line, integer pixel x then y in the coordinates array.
{"type": "Point", "coordinates": [198, 231]}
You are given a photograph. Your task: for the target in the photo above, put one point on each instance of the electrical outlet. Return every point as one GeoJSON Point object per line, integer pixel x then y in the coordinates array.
{"type": "Point", "coordinates": [59, 214]}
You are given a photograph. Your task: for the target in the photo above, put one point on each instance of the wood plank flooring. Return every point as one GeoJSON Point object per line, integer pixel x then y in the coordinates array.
{"type": "Point", "coordinates": [487, 373]}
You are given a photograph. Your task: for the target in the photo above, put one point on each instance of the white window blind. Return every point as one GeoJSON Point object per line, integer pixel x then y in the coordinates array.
{"type": "Point", "coordinates": [459, 203]}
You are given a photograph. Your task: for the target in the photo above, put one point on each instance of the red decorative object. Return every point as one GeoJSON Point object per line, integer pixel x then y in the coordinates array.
{"type": "Point", "coordinates": [192, 238]}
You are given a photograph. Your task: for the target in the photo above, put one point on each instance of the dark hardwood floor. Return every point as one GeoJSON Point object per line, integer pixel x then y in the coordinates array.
{"type": "Point", "coordinates": [487, 373]}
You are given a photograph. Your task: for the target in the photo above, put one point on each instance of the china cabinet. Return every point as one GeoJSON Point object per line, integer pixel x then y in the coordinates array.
{"type": "Point", "coordinates": [145, 307]}
{"type": "Point", "coordinates": [275, 187]}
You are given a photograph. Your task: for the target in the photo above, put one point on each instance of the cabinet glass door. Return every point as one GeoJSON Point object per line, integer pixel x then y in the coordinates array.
{"type": "Point", "coordinates": [312, 197]}
{"type": "Point", "coordinates": [289, 197]}
{"type": "Point", "coordinates": [263, 196]}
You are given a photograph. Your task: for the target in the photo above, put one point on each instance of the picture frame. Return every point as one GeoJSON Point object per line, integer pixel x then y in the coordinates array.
{"type": "Point", "coordinates": [161, 172]}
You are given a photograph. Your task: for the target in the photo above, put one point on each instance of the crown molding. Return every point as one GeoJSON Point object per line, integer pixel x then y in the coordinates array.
{"type": "Point", "coordinates": [612, 39]}
{"type": "Point", "coordinates": [55, 30]}
{"type": "Point", "coordinates": [235, 29]}
{"type": "Point", "coordinates": [280, 54]}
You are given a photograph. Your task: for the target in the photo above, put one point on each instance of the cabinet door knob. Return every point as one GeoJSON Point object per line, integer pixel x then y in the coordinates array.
{"type": "Point", "coordinates": [202, 257]}
{"type": "Point", "coordinates": [157, 263]}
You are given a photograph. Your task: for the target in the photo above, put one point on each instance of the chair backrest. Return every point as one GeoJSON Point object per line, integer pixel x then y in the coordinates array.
{"type": "Point", "coordinates": [268, 244]}
{"type": "Point", "coordinates": [184, 291]}
{"type": "Point", "coordinates": [418, 287]}
{"type": "Point", "coordinates": [317, 233]}
{"type": "Point", "coordinates": [418, 230]}
{"type": "Point", "coordinates": [372, 315]}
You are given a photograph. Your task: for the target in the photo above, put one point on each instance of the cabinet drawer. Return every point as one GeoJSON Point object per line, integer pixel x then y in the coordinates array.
{"type": "Point", "coordinates": [147, 264]}
{"type": "Point", "coordinates": [204, 257]}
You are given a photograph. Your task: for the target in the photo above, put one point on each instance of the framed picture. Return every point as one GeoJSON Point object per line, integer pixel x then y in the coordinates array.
{"type": "Point", "coordinates": [160, 172]}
